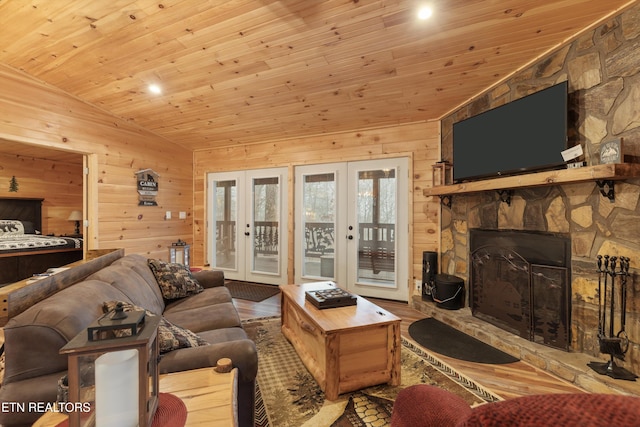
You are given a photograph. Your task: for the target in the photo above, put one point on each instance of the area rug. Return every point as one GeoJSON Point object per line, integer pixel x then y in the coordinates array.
{"type": "Point", "coordinates": [251, 291]}
{"type": "Point", "coordinates": [434, 335]}
{"type": "Point", "coordinates": [287, 394]}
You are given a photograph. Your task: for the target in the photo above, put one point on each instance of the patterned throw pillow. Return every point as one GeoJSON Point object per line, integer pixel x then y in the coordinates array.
{"type": "Point", "coordinates": [170, 336]}
{"type": "Point", "coordinates": [10, 226]}
{"type": "Point", "coordinates": [175, 280]}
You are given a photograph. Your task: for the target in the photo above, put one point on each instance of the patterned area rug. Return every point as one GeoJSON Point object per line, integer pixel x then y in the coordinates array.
{"type": "Point", "coordinates": [251, 291]}
{"type": "Point", "coordinates": [288, 395]}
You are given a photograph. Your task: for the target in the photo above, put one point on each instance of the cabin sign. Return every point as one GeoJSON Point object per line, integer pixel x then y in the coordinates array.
{"type": "Point", "coordinates": [147, 187]}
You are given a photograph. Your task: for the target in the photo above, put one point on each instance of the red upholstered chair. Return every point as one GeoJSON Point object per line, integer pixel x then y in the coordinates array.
{"type": "Point", "coordinates": [424, 405]}
{"type": "Point", "coordinates": [428, 406]}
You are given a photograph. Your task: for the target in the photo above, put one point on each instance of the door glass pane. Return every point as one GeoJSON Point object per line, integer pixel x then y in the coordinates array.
{"type": "Point", "coordinates": [376, 215]}
{"type": "Point", "coordinates": [225, 204]}
{"type": "Point", "coordinates": [319, 204]}
{"type": "Point", "coordinates": [266, 223]}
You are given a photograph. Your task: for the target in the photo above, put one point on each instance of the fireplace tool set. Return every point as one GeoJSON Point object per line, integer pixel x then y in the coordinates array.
{"type": "Point", "coordinates": [612, 270]}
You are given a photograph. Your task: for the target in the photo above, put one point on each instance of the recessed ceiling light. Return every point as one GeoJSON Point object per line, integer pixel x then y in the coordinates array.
{"type": "Point", "coordinates": [425, 12]}
{"type": "Point", "coordinates": [155, 89]}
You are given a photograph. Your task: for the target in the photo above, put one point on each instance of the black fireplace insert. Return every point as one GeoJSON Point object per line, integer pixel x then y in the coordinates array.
{"type": "Point", "coordinates": [520, 281]}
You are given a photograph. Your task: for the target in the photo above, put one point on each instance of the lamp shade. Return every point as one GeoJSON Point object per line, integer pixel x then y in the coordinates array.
{"type": "Point", "coordinates": [75, 216]}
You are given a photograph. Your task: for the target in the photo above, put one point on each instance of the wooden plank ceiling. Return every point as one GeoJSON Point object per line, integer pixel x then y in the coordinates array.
{"type": "Point", "coordinates": [244, 71]}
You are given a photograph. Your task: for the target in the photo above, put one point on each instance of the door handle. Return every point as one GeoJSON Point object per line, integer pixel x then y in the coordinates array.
{"type": "Point", "coordinates": [350, 237]}
{"type": "Point", "coordinates": [246, 233]}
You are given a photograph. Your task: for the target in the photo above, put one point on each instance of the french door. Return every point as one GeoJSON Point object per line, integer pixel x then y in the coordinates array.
{"type": "Point", "coordinates": [247, 224]}
{"type": "Point", "coordinates": [352, 226]}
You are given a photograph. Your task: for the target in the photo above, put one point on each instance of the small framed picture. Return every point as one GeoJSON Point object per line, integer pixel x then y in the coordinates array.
{"type": "Point", "coordinates": [611, 152]}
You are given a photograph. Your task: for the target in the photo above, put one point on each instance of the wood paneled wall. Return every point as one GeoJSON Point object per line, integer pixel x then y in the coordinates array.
{"type": "Point", "coordinates": [59, 183]}
{"type": "Point", "coordinates": [36, 113]}
{"type": "Point", "coordinates": [418, 141]}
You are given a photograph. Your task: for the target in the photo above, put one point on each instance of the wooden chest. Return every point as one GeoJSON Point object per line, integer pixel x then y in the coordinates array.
{"type": "Point", "coordinates": [344, 348]}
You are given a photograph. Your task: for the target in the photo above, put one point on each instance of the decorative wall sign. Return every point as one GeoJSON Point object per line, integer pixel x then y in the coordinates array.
{"type": "Point", "coordinates": [147, 187]}
{"type": "Point", "coordinates": [611, 151]}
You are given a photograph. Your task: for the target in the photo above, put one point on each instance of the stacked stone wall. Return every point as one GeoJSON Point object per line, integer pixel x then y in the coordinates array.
{"type": "Point", "coordinates": [602, 68]}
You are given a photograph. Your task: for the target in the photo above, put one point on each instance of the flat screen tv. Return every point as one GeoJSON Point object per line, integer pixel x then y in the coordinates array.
{"type": "Point", "coordinates": [524, 135]}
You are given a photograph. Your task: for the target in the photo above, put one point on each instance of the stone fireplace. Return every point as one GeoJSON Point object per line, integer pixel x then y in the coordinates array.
{"type": "Point", "coordinates": [520, 282]}
{"type": "Point", "coordinates": [604, 90]}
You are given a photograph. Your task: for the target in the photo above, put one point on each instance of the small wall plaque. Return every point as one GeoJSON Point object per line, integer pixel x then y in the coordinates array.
{"type": "Point", "coordinates": [611, 152]}
{"type": "Point", "coordinates": [147, 187]}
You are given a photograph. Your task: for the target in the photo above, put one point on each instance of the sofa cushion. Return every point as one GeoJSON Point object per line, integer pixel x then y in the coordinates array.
{"type": "Point", "coordinates": [209, 278]}
{"type": "Point", "coordinates": [139, 265]}
{"type": "Point", "coordinates": [224, 335]}
{"type": "Point", "coordinates": [132, 284]}
{"type": "Point", "coordinates": [175, 280]}
{"type": "Point", "coordinates": [170, 337]}
{"type": "Point", "coordinates": [206, 298]}
{"type": "Point", "coordinates": [223, 315]}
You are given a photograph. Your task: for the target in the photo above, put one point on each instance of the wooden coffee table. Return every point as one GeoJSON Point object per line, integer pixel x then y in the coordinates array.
{"type": "Point", "coordinates": [344, 348]}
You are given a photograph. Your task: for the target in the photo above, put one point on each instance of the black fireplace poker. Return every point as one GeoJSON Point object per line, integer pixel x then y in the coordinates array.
{"type": "Point", "coordinates": [615, 345]}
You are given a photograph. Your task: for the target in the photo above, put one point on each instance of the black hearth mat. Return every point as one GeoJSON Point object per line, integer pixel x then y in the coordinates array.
{"type": "Point", "coordinates": [251, 291]}
{"type": "Point", "coordinates": [448, 341]}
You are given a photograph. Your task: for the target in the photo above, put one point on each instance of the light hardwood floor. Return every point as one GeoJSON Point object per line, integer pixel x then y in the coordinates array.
{"type": "Point", "coordinates": [508, 381]}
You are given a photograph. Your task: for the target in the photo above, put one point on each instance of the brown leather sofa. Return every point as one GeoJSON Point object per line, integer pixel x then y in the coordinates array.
{"type": "Point", "coordinates": [429, 406]}
{"type": "Point", "coordinates": [33, 338]}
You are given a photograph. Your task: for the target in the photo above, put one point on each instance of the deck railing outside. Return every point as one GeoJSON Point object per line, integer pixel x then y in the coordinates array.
{"type": "Point", "coordinates": [376, 249]}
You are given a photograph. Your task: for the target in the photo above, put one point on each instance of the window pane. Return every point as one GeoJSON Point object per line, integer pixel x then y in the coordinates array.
{"type": "Point", "coordinates": [225, 215]}
{"type": "Point", "coordinates": [319, 198]}
{"type": "Point", "coordinates": [376, 213]}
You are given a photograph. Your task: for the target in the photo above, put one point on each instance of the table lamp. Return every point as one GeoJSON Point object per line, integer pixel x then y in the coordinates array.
{"type": "Point", "coordinates": [77, 217]}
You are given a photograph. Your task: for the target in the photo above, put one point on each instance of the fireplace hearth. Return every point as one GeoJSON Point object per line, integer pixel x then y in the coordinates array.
{"type": "Point", "coordinates": [520, 281]}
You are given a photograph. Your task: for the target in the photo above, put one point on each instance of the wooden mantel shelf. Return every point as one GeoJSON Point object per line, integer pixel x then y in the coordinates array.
{"type": "Point", "coordinates": [608, 172]}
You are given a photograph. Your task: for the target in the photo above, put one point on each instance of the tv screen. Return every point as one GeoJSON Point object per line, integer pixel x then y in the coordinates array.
{"type": "Point", "coordinates": [524, 135]}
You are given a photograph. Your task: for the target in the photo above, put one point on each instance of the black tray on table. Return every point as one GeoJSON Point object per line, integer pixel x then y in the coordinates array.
{"type": "Point", "coordinates": [330, 298]}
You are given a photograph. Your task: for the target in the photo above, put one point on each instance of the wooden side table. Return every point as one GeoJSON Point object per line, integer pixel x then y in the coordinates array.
{"type": "Point", "coordinates": [210, 397]}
